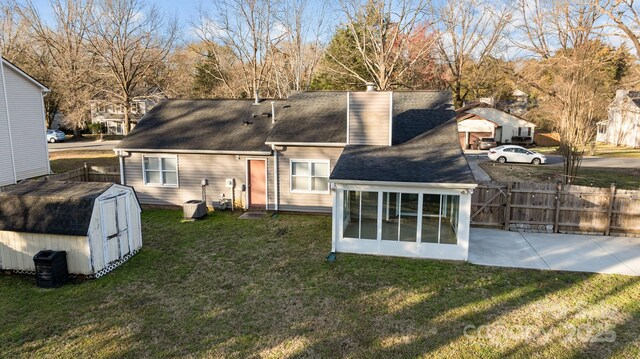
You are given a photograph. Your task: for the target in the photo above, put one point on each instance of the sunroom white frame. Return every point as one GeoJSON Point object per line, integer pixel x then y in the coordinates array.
{"type": "Point", "coordinates": [416, 249]}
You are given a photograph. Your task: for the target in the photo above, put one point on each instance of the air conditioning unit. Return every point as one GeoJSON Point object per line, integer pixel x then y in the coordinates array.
{"type": "Point", "coordinates": [194, 209]}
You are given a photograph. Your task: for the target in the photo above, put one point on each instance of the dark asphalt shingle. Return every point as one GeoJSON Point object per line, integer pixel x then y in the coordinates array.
{"type": "Point", "coordinates": [417, 112]}
{"type": "Point", "coordinates": [203, 125]}
{"type": "Point", "coordinates": [433, 157]}
{"type": "Point", "coordinates": [55, 207]}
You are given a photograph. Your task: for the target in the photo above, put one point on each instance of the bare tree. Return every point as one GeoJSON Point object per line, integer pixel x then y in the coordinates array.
{"type": "Point", "coordinates": [246, 28]}
{"type": "Point", "coordinates": [625, 15]}
{"type": "Point", "coordinates": [63, 56]}
{"type": "Point", "coordinates": [130, 38]}
{"type": "Point", "coordinates": [563, 38]}
{"type": "Point", "coordinates": [382, 32]}
{"type": "Point", "coordinates": [15, 41]}
{"type": "Point", "coordinates": [470, 31]}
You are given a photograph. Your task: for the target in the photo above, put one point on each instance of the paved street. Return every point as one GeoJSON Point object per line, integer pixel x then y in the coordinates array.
{"type": "Point", "coordinates": [556, 160]}
{"type": "Point", "coordinates": [82, 146]}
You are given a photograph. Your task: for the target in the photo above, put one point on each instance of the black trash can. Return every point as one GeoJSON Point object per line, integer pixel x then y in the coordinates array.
{"type": "Point", "coordinates": [51, 268]}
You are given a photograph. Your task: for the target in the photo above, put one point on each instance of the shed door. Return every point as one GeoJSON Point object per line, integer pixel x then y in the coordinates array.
{"type": "Point", "coordinates": [114, 216]}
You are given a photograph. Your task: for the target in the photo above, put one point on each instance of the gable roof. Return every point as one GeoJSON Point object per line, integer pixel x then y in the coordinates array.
{"type": "Point", "coordinates": [321, 117]}
{"type": "Point", "coordinates": [433, 157]}
{"type": "Point", "coordinates": [14, 67]}
{"type": "Point", "coordinates": [499, 117]}
{"type": "Point", "coordinates": [55, 207]}
{"type": "Point", "coordinates": [202, 125]}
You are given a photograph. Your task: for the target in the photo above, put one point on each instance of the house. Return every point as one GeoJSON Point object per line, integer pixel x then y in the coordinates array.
{"type": "Point", "coordinates": [111, 115]}
{"type": "Point", "coordinates": [621, 128]}
{"type": "Point", "coordinates": [97, 224]}
{"type": "Point", "coordinates": [379, 162]}
{"type": "Point", "coordinates": [480, 120]}
{"type": "Point", "coordinates": [23, 142]}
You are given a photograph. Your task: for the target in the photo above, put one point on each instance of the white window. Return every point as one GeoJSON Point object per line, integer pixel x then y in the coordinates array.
{"type": "Point", "coordinates": [160, 171]}
{"type": "Point", "coordinates": [310, 176]}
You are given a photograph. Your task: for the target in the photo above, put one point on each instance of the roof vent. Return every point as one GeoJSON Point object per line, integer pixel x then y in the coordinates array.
{"type": "Point", "coordinates": [371, 86]}
{"type": "Point", "coordinates": [286, 106]}
{"type": "Point", "coordinates": [247, 123]}
{"type": "Point", "coordinates": [266, 114]}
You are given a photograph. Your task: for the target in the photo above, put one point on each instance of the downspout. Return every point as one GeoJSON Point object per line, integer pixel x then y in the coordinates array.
{"type": "Point", "coordinates": [6, 101]}
{"type": "Point", "coordinates": [276, 200]}
{"type": "Point", "coordinates": [121, 160]}
{"type": "Point", "coordinates": [46, 145]}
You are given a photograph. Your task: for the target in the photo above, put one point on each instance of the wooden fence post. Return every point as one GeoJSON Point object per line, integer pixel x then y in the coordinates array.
{"type": "Point", "coordinates": [556, 217]}
{"type": "Point", "coordinates": [507, 209]}
{"type": "Point", "coordinates": [612, 199]}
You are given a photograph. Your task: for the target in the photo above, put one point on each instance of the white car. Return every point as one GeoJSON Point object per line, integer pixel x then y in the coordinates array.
{"type": "Point", "coordinates": [511, 153]}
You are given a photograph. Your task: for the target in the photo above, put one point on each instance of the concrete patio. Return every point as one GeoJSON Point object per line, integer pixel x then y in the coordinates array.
{"type": "Point", "coordinates": [579, 253]}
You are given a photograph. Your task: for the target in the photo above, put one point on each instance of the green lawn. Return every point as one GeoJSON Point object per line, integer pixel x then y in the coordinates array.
{"type": "Point", "coordinates": [626, 178]}
{"type": "Point", "coordinates": [224, 287]}
{"type": "Point", "coordinates": [63, 161]}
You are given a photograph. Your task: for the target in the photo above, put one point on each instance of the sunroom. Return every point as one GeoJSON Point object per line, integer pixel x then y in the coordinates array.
{"type": "Point", "coordinates": [409, 200]}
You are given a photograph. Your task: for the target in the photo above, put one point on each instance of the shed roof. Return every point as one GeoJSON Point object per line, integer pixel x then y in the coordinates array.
{"type": "Point", "coordinates": [203, 125]}
{"type": "Point", "coordinates": [433, 157]}
{"type": "Point", "coordinates": [53, 207]}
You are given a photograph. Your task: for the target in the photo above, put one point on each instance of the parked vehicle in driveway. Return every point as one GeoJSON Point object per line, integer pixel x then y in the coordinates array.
{"type": "Point", "coordinates": [524, 141]}
{"type": "Point", "coordinates": [55, 136]}
{"type": "Point", "coordinates": [486, 143]}
{"type": "Point", "coordinates": [511, 153]}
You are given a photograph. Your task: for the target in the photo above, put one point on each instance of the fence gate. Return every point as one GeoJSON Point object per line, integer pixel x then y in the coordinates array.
{"type": "Point", "coordinates": [488, 204]}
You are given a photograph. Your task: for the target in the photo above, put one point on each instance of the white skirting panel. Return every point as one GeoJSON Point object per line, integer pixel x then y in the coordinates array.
{"type": "Point", "coordinates": [402, 249]}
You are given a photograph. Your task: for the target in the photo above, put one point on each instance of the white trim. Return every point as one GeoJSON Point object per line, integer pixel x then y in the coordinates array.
{"type": "Point", "coordinates": [6, 101]}
{"type": "Point", "coordinates": [310, 162]}
{"type": "Point", "coordinates": [248, 183]}
{"type": "Point", "coordinates": [251, 153]}
{"type": "Point", "coordinates": [275, 181]}
{"type": "Point", "coordinates": [24, 74]}
{"type": "Point", "coordinates": [308, 144]}
{"type": "Point", "coordinates": [404, 184]}
{"type": "Point", "coordinates": [161, 184]}
{"type": "Point", "coordinates": [44, 125]}
{"type": "Point", "coordinates": [121, 161]}
{"type": "Point", "coordinates": [348, 115]}
{"type": "Point", "coordinates": [390, 118]}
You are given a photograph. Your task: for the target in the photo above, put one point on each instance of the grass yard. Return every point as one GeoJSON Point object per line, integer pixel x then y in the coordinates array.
{"type": "Point", "coordinates": [63, 161]}
{"type": "Point", "coordinates": [224, 287]}
{"type": "Point", "coordinates": [626, 178]}
{"type": "Point", "coordinates": [601, 150]}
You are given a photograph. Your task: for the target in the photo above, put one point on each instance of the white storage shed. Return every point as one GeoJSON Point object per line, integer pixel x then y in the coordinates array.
{"type": "Point", "coordinates": [97, 224]}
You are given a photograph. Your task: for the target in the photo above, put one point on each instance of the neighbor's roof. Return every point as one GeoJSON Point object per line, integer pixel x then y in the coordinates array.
{"type": "Point", "coordinates": [54, 207]}
{"type": "Point", "coordinates": [11, 65]}
{"type": "Point", "coordinates": [433, 157]}
{"type": "Point", "coordinates": [321, 117]}
{"type": "Point", "coordinates": [202, 125]}
{"type": "Point", "coordinates": [499, 117]}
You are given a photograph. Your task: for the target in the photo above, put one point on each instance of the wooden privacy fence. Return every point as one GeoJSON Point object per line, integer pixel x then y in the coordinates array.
{"type": "Point", "coordinates": [89, 174]}
{"type": "Point", "coordinates": [556, 208]}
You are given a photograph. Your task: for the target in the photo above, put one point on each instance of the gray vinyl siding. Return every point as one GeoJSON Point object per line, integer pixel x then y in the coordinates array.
{"type": "Point", "coordinates": [27, 125]}
{"type": "Point", "coordinates": [369, 118]}
{"type": "Point", "coordinates": [304, 202]}
{"type": "Point", "coordinates": [6, 165]}
{"type": "Point", "coordinates": [192, 168]}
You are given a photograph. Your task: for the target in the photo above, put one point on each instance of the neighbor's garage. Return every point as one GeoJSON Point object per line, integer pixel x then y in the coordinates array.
{"type": "Point", "coordinates": [97, 224]}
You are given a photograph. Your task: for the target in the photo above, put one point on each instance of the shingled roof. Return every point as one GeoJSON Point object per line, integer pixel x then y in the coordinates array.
{"type": "Point", "coordinates": [321, 117]}
{"type": "Point", "coordinates": [54, 207]}
{"type": "Point", "coordinates": [203, 125]}
{"type": "Point", "coordinates": [433, 157]}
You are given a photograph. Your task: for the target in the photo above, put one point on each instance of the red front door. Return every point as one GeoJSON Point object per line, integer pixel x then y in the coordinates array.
{"type": "Point", "coordinates": [257, 184]}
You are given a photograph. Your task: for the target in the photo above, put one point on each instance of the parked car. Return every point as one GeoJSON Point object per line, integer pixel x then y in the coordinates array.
{"type": "Point", "coordinates": [486, 143]}
{"type": "Point", "coordinates": [511, 153]}
{"type": "Point", "coordinates": [55, 136]}
{"type": "Point", "coordinates": [524, 141]}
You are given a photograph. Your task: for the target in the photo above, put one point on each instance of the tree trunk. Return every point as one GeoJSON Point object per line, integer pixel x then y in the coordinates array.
{"type": "Point", "coordinates": [127, 121]}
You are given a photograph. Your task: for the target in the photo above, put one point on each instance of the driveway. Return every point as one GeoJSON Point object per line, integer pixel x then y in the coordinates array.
{"type": "Point", "coordinates": [556, 160]}
{"type": "Point", "coordinates": [566, 252]}
{"type": "Point", "coordinates": [83, 146]}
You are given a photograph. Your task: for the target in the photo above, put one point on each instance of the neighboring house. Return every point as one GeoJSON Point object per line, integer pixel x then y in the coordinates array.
{"type": "Point", "coordinates": [23, 142]}
{"type": "Point", "coordinates": [387, 165]}
{"type": "Point", "coordinates": [621, 129]}
{"type": "Point", "coordinates": [479, 120]}
{"type": "Point", "coordinates": [111, 115]}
